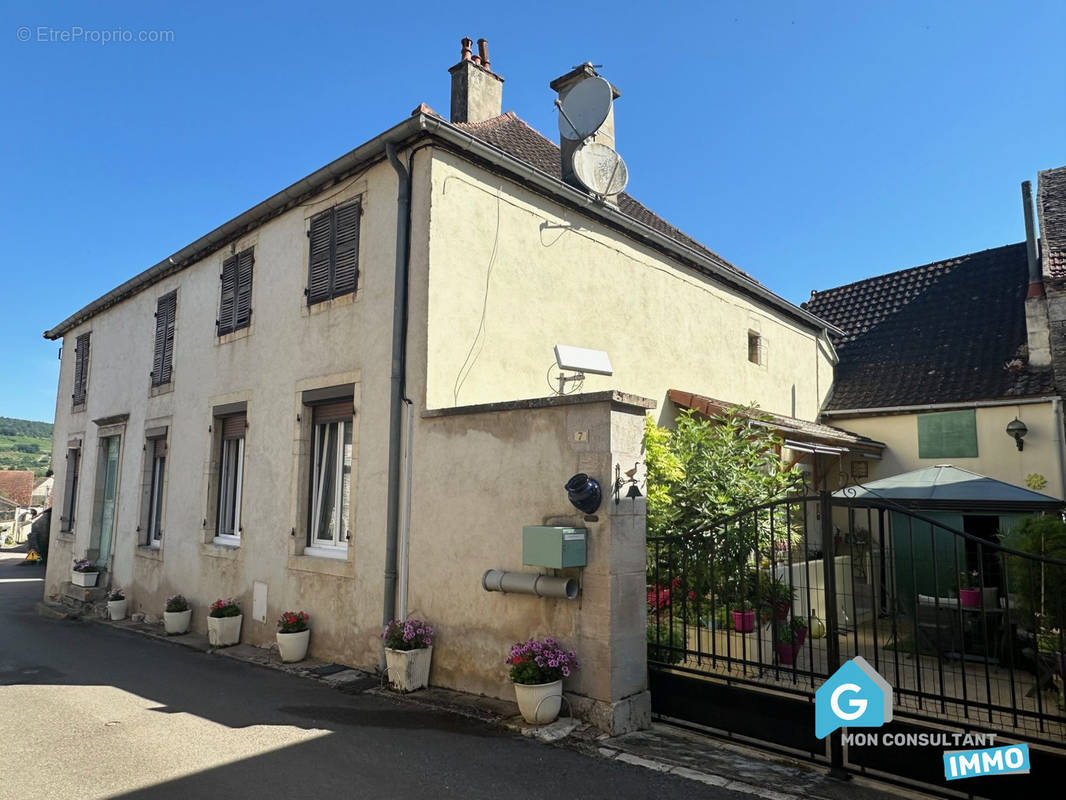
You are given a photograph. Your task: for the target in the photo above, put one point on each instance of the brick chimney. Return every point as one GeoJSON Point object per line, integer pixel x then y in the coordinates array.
{"type": "Point", "coordinates": [562, 85]}
{"type": "Point", "coordinates": [477, 91]}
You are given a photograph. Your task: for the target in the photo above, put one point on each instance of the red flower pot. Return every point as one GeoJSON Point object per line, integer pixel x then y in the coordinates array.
{"type": "Point", "coordinates": [743, 621]}
{"type": "Point", "coordinates": [801, 637]}
{"type": "Point", "coordinates": [971, 598]}
{"type": "Point", "coordinates": [781, 609]}
{"type": "Point", "coordinates": [786, 653]}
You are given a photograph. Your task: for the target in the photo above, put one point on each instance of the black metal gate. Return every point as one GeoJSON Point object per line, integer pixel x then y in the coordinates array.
{"type": "Point", "coordinates": [748, 617]}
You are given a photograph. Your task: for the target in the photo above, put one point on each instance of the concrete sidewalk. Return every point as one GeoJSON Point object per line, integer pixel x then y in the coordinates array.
{"type": "Point", "coordinates": [667, 749]}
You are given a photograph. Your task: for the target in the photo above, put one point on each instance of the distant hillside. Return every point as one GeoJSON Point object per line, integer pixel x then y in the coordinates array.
{"type": "Point", "coordinates": [25, 445]}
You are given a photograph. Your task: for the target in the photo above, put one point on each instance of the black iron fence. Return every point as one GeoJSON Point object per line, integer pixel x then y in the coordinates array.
{"type": "Point", "coordinates": [967, 629]}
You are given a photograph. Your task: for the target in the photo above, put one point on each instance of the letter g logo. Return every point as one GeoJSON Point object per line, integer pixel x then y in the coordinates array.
{"type": "Point", "coordinates": [858, 706]}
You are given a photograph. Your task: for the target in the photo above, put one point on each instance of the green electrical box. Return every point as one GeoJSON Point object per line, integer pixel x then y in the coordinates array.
{"type": "Point", "coordinates": [551, 546]}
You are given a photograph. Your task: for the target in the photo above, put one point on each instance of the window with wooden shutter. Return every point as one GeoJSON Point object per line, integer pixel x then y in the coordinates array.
{"type": "Point", "coordinates": [81, 368]}
{"type": "Point", "coordinates": [235, 304]}
{"type": "Point", "coordinates": [165, 310]}
{"type": "Point", "coordinates": [333, 261]}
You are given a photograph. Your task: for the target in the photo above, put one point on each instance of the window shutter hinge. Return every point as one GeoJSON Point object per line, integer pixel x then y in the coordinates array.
{"type": "Point", "coordinates": [293, 533]}
{"type": "Point", "coordinates": [348, 536]}
{"type": "Point", "coordinates": [205, 523]}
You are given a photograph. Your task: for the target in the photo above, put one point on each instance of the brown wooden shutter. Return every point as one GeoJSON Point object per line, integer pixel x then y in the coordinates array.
{"type": "Point", "coordinates": [233, 426]}
{"type": "Point", "coordinates": [228, 302]}
{"type": "Point", "coordinates": [321, 236]}
{"type": "Point", "coordinates": [334, 411]}
{"type": "Point", "coordinates": [242, 314]}
{"type": "Point", "coordinates": [164, 338]}
{"type": "Point", "coordinates": [81, 368]}
{"type": "Point", "coordinates": [346, 249]}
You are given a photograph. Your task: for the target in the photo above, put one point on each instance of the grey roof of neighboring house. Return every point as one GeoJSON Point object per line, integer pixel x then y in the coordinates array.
{"type": "Point", "coordinates": [936, 334]}
{"type": "Point", "coordinates": [945, 485]}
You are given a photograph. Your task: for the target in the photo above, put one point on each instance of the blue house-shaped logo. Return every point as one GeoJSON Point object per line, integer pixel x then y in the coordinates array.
{"type": "Point", "coordinates": [855, 696]}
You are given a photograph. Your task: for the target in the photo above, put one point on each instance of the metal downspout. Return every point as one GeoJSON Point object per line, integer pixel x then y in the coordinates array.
{"type": "Point", "coordinates": [396, 382]}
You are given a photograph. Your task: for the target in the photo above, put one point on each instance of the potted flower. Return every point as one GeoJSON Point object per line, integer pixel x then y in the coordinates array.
{"type": "Point", "coordinates": [116, 603]}
{"type": "Point", "coordinates": [799, 627]}
{"type": "Point", "coordinates": [969, 592]}
{"type": "Point", "coordinates": [408, 653]}
{"type": "Point", "coordinates": [787, 644]}
{"type": "Point", "coordinates": [176, 615]}
{"type": "Point", "coordinates": [743, 616]}
{"type": "Point", "coordinates": [537, 671]}
{"type": "Point", "coordinates": [224, 622]}
{"type": "Point", "coordinates": [294, 634]}
{"type": "Point", "coordinates": [84, 573]}
{"type": "Point", "coordinates": [775, 600]}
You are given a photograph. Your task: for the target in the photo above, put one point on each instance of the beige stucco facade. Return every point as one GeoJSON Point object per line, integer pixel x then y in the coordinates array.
{"type": "Point", "coordinates": [997, 455]}
{"type": "Point", "coordinates": [514, 274]}
{"type": "Point", "coordinates": [498, 275]}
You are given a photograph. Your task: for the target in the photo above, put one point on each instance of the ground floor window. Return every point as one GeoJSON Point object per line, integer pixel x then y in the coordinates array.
{"type": "Point", "coordinates": [157, 462]}
{"type": "Point", "coordinates": [331, 476]}
{"type": "Point", "coordinates": [230, 479]}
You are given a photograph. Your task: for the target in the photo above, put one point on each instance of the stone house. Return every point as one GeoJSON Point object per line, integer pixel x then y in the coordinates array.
{"type": "Point", "coordinates": [337, 401]}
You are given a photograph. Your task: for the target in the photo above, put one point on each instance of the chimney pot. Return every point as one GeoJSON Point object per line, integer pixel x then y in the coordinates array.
{"type": "Point", "coordinates": [464, 54]}
{"type": "Point", "coordinates": [477, 91]}
{"type": "Point", "coordinates": [483, 51]}
{"type": "Point", "coordinates": [476, 60]}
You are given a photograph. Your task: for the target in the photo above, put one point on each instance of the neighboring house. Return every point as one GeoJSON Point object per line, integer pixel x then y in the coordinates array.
{"type": "Point", "coordinates": [42, 491]}
{"type": "Point", "coordinates": [938, 360]}
{"type": "Point", "coordinates": [343, 407]}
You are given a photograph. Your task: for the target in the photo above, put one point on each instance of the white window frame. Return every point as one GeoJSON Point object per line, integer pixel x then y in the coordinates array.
{"type": "Point", "coordinates": [156, 479]}
{"type": "Point", "coordinates": [338, 547]}
{"type": "Point", "coordinates": [225, 465]}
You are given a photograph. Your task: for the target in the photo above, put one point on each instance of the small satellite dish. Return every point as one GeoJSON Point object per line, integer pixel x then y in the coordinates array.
{"type": "Point", "coordinates": [585, 108]}
{"type": "Point", "coordinates": [581, 359]}
{"type": "Point", "coordinates": [600, 169]}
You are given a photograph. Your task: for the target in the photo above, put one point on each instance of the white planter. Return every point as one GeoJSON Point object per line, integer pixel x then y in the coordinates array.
{"type": "Point", "coordinates": [293, 646]}
{"type": "Point", "coordinates": [224, 631]}
{"type": "Point", "coordinates": [175, 622]}
{"type": "Point", "coordinates": [84, 578]}
{"type": "Point", "coordinates": [540, 702]}
{"type": "Point", "coordinates": [116, 609]}
{"type": "Point", "coordinates": [408, 669]}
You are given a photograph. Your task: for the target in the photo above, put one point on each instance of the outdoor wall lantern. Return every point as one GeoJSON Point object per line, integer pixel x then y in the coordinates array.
{"type": "Point", "coordinates": [1017, 429]}
{"type": "Point", "coordinates": [584, 492]}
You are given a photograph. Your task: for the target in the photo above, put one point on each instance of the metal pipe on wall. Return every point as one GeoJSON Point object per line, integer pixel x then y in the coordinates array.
{"type": "Point", "coordinates": [497, 580]}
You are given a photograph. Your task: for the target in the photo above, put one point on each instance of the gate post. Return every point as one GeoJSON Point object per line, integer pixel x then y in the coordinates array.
{"type": "Point", "coordinates": [832, 639]}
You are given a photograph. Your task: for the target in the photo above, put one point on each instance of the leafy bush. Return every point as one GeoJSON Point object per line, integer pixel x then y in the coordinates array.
{"type": "Point", "coordinates": [293, 622]}
{"type": "Point", "coordinates": [666, 643]}
{"type": "Point", "coordinates": [177, 603]}
{"type": "Point", "coordinates": [408, 634]}
{"type": "Point", "coordinates": [225, 608]}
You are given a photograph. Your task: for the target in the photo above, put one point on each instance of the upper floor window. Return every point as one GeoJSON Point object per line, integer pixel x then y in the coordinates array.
{"type": "Point", "coordinates": [333, 264]}
{"type": "Point", "coordinates": [235, 304]}
{"type": "Point", "coordinates": [162, 362]}
{"type": "Point", "coordinates": [81, 369]}
{"type": "Point", "coordinates": [755, 347]}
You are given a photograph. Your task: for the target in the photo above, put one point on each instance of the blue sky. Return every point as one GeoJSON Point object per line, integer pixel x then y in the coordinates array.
{"type": "Point", "coordinates": [810, 143]}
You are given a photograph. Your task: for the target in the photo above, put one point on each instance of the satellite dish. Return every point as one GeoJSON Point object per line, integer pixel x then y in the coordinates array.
{"type": "Point", "coordinates": [582, 359]}
{"type": "Point", "coordinates": [600, 169]}
{"type": "Point", "coordinates": [585, 108]}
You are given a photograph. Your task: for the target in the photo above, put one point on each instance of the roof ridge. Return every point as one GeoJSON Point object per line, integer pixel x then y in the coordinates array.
{"type": "Point", "coordinates": [898, 272]}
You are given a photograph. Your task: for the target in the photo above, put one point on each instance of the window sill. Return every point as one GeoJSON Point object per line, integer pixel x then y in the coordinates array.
{"type": "Point", "coordinates": [323, 306]}
{"type": "Point", "coordinates": [336, 553]}
{"type": "Point", "coordinates": [77, 408]}
{"type": "Point", "coordinates": [166, 388]}
{"type": "Point", "coordinates": [151, 552]}
{"type": "Point", "coordinates": [220, 547]}
{"type": "Point", "coordinates": [232, 336]}
{"type": "Point", "coordinates": [65, 536]}
{"type": "Point", "coordinates": [322, 565]}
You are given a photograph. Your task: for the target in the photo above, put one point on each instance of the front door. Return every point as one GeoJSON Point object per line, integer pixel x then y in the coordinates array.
{"type": "Point", "coordinates": [107, 489]}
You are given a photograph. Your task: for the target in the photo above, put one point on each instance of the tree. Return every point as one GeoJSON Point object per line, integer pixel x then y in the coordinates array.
{"type": "Point", "coordinates": [702, 473]}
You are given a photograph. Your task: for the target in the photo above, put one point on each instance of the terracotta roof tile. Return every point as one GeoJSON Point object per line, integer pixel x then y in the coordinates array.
{"type": "Point", "coordinates": [1051, 208]}
{"type": "Point", "coordinates": [16, 485]}
{"type": "Point", "coordinates": [940, 333]}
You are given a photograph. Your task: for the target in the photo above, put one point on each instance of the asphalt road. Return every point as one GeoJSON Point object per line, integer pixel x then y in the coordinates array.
{"type": "Point", "coordinates": [87, 711]}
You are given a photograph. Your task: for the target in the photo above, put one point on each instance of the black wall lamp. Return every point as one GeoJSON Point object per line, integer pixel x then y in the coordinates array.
{"type": "Point", "coordinates": [1017, 429]}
